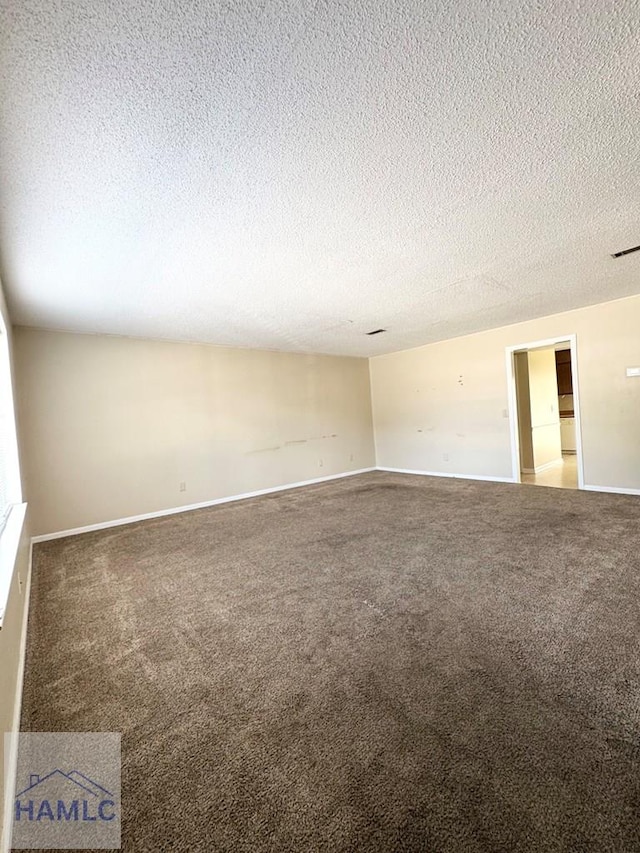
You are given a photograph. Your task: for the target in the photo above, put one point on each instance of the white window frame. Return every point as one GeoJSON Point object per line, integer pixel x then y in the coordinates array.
{"type": "Point", "coordinates": [12, 520]}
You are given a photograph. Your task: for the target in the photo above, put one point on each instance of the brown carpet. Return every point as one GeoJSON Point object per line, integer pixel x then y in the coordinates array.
{"type": "Point", "coordinates": [382, 663]}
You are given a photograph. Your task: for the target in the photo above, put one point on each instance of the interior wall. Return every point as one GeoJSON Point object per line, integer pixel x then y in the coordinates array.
{"type": "Point", "coordinates": [545, 415]}
{"type": "Point", "coordinates": [525, 437]}
{"type": "Point", "coordinates": [12, 628]}
{"type": "Point", "coordinates": [443, 408]}
{"type": "Point", "coordinates": [113, 426]}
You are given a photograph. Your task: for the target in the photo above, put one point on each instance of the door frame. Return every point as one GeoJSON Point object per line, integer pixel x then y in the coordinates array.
{"type": "Point", "coordinates": [513, 400]}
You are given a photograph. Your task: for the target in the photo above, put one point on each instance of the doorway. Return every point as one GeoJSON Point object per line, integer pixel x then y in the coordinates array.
{"type": "Point", "coordinates": [544, 412]}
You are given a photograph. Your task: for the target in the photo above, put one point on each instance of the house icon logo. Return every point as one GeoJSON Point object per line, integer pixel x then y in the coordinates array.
{"type": "Point", "coordinates": [68, 788]}
{"type": "Point", "coordinates": [64, 797]}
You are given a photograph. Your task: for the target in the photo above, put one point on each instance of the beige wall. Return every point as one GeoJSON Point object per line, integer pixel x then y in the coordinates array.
{"type": "Point", "coordinates": [525, 436]}
{"type": "Point", "coordinates": [11, 631]}
{"type": "Point", "coordinates": [111, 426]}
{"type": "Point", "coordinates": [450, 398]}
{"type": "Point", "coordinates": [545, 415]}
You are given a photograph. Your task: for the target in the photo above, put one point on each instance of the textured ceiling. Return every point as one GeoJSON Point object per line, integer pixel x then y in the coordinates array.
{"type": "Point", "coordinates": [291, 174]}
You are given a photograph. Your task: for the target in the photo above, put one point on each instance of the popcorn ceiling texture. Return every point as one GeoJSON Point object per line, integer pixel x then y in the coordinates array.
{"type": "Point", "coordinates": [292, 175]}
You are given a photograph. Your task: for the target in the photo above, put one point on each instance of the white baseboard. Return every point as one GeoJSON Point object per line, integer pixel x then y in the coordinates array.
{"type": "Point", "coordinates": [103, 525]}
{"type": "Point", "coordinates": [540, 468]}
{"type": "Point", "coordinates": [614, 490]}
{"type": "Point", "coordinates": [45, 537]}
{"type": "Point", "coordinates": [609, 489]}
{"type": "Point", "coordinates": [11, 760]}
{"type": "Point", "coordinates": [447, 474]}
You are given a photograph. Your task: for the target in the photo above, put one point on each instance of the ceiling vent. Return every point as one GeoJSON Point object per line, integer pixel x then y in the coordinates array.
{"type": "Point", "coordinates": [625, 252]}
{"type": "Point", "coordinates": [377, 332]}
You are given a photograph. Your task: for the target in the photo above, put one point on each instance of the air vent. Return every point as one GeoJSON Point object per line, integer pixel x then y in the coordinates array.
{"type": "Point", "coordinates": [625, 252]}
{"type": "Point", "coordinates": [377, 332]}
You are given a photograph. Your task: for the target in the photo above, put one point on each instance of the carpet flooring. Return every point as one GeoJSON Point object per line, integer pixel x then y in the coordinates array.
{"type": "Point", "coordinates": [380, 663]}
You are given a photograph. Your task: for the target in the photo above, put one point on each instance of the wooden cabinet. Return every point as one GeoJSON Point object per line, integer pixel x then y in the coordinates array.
{"type": "Point", "coordinates": [563, 372]}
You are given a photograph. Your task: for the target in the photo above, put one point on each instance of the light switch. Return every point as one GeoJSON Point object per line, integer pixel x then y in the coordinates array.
{"type": "Point", "coordinates": [633, 371]}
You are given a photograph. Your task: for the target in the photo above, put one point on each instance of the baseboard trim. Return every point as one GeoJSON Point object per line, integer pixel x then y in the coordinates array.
{"type": "Point", "coordinates": [11, 761]}
{"type": "Point", "coordinates": [542, 468]}
{"type": "Point", "coordinates": [103, 525]}
{"type": "Point", "coordinates": [613, 490]}
{"type": "Point", "coordinates": [480, 477]}
{"type": "Point", "coordinates": [607, 489]}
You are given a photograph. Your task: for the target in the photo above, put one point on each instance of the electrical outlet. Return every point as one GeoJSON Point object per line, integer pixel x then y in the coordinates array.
{"type": "Point", "coordinates": [445, 456]}
{"type": "Point", "coordinates": [351, 457]}
{"type": "Point", "coordinates": [321, 464]}
{"type": "Point", "coordinates": [183, 487]}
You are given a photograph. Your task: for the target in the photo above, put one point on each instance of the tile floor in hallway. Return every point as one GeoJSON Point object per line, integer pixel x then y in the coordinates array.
{"type": "Point", "coordinates": [564, 475]}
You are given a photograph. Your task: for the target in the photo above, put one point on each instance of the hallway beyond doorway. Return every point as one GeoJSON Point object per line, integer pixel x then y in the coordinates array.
{"type": "Point", "coordinates": [564, 475]}
{"type": "Point", "coordinates": [544, 409]}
